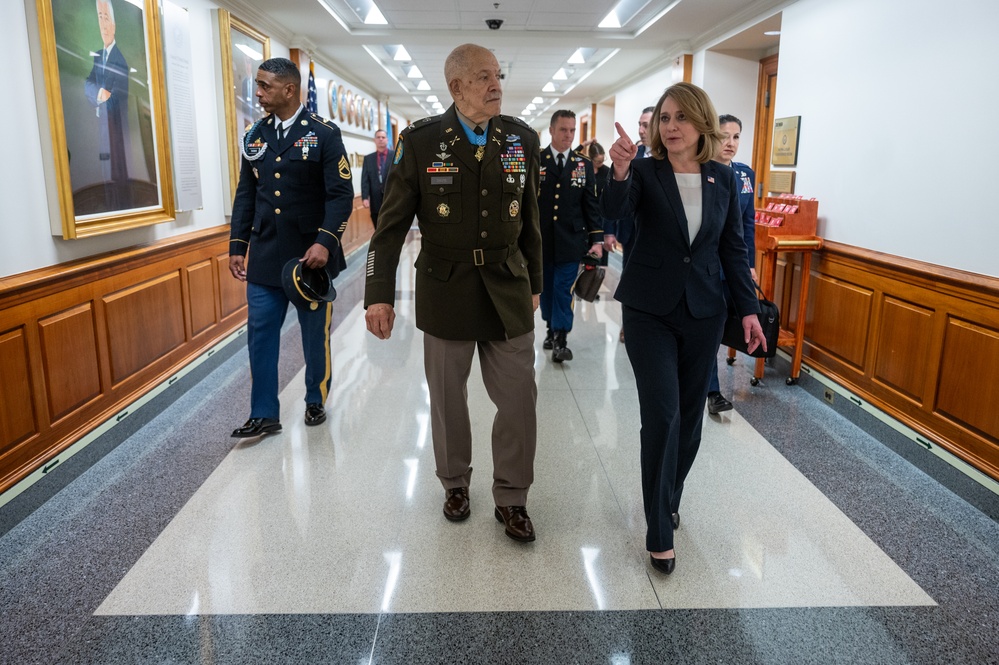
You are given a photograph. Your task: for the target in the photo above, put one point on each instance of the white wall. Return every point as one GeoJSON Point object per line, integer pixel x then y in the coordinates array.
{"type": "Point", "coordinates": [731, 83]}
{"type": "Point", "coordinates": [895, 142]}
{"type": "Point", "coordinates": [629, 102]}
{"type": "Point", "coordinates": [25, 226]}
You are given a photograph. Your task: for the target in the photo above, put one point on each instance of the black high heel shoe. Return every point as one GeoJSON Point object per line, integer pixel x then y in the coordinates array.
{"type": "Point", "coordinates": [664, 566]}
{"type": "Point", "coordinates": [675, 517]}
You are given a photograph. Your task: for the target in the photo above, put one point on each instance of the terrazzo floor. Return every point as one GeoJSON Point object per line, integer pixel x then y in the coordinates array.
{"type": "Point", "coordinates": [804, 539]}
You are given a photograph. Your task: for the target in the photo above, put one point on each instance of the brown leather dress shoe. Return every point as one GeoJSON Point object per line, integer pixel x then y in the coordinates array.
{"type": "Point", "coordinates": [315, 414]}
{"type": "Point", "coordinates": [257, 427]}
{"type": "Point", "coordinates": [518, 524]}
{"type": "Point", "coordinates": [457, 506]}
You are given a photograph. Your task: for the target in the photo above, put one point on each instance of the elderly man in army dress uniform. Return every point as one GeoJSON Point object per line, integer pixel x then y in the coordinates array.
{"type": "Point", "coordinates": [293, 202]}
{"type": "Point", "coordinates": [470, 176]}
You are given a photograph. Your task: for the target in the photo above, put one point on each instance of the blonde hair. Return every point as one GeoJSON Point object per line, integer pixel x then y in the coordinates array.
{"type": "Point", "coordinates": [699, 111]}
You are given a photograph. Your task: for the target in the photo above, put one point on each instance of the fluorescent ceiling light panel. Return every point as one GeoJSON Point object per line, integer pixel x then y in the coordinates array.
{"type": "Point", "coordinates": [610, 21]}
{"type": "Point", "coordinates": [537, 100]}
{"type": "Point", "coordinates": [577, 57]}
{"type": "Point", "coordinates": [432, 98]}
{"type": "Point", "coordinates": [549, 87]}
{"type": "Point", "coordinates": [560, 75]}
{"type": "Point", "coordinates": [402, 54]}
{"type": "Point", "coordinates": [375, 16]}
{"type": "Point", "coordinates": [414, 73]}
{"type": "Point", "coordinates": [531, 107]}
{"type": "Point", "coordinates": [423, 85]}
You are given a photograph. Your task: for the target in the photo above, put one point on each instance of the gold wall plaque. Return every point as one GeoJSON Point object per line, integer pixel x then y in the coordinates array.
{"type": "Point", "coordinates": [781, 182]}
{"type": "Point", "coordinates": [785, 142]}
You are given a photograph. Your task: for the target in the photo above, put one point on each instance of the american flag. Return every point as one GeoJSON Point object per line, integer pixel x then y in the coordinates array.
{"type": "Point", "coordinates": [310, 101]}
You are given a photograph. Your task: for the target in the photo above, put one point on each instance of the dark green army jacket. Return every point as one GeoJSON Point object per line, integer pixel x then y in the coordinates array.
{"type": "Point", "coordinates": [480, 247]}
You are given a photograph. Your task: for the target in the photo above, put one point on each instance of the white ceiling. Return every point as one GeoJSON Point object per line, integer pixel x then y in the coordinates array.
{"type": "Point", "coordinates": [536, 39]}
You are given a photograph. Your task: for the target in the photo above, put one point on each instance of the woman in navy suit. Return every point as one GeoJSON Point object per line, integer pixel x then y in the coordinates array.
{"type": "Point", "coordinates": [688, 227]}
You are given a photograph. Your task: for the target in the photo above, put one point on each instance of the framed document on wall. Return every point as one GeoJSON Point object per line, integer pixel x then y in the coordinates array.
{"type": "Point", "coordinates": [785, 145]}
{"type": "Point", "coordinates": [243, 50]}
{"type": "Point", "coordinates": [107, 114]}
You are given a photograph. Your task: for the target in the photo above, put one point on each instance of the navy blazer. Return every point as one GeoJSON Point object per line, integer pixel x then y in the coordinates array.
{"type": "Point", "coordinates": [664, 267]}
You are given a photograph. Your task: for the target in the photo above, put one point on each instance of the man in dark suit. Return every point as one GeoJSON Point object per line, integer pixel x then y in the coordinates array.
{"type": "Point", "coordinates": [293, 202]}
{"type": "Point", "coordinates": [623, 230]}
{"type": "Point", "coordinates": [470, 176]}
{"type": "Point", "coordinates": [107, 90]}
{"type": "Point", "coordinates": [374, 175]}
{"type": "Point", "coordinates": [570, 225]}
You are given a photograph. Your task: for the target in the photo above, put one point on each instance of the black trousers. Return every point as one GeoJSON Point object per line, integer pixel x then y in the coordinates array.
{"type": "Point", "coordinates": [671, 356]}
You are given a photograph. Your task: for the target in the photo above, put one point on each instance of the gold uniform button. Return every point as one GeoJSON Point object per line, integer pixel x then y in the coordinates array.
{"type": "Point", "coordinates": [557, 185]}
{"type": "Point", "coordinates": [555, 218]}
{"type": "Point", "coordinates": [485, 213]}
{"type": "Point", "coordinates": [485, 192]}
{"type": "Point", "coordinates": [556, 196]}
{"type": "Point", "coordinates": [277, 193]}
{"type": "Point", "coordinates": [278, 159]}
{"type": "Point", "coordinates": [442, 190]}
{"type": "Point", "coordinates": [277, 175]}
{"type": "Point", "coordinates": [556, 207]}
{"type": "Point", "coordinates": [277, 211]}
{"type": "Point", "coordinates": [484, 234]}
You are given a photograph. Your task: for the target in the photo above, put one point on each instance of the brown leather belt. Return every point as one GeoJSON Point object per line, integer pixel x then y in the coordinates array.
{"type": "Point", "coordinates": [479, 257]}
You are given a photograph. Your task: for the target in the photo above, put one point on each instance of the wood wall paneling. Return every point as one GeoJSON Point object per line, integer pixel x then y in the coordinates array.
{"type": "Point", "coordinates": [144, 323]}
{"type": "Point", "coordinates": [968, 392]}
{"type": "Point", "coordinates": [905, 335]}
{"type": "Point", "coordinates": [841, 318]}
{"type": "Point", "coordinates": [232, 292]}
{"type": "Point", "coordinates": [18, 417]}
{"type": "Point", "coordinates": [202, 305]}
{"type": "Point", "coordinates": [69, 351]}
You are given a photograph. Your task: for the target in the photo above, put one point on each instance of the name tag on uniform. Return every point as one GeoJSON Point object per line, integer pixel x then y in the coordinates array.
{"type": "Point", "coordinates": [442, 180]}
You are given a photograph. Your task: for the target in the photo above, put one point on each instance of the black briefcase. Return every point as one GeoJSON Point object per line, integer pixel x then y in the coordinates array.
{"type": "Point", "coordinates": [588, 279]}
{"type": "Point", "coordinates": [769, 321]}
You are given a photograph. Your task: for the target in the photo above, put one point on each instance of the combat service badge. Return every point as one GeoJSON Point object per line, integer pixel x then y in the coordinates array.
{"type": "Point", "coordinates": [443, 210]}
{"type": "Point", "coordinates": [514, 207]}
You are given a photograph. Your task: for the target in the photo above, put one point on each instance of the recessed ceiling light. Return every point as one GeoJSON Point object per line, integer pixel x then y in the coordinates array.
{"type": "Point", "coordinates": [577, 57]}
{"type": "Point", "coordinates": [549, 87]}
{"type": "Point", "coordinates": [432, 98]}
{"type": "Point", "coordinates": [374, 16]}
{"type": "Point", "coordinates": [610, 21]}
{"type": "Point", "coordinates": [537, 100]}
{"type": "Point", "coordinates": [415, 73]}
{"type": "Point", "coordinates": [560, 75]}
{"type": "Point", "coordinates": [531, 107]}
{"type": "Point", "coordinates": [402, 54]}
{"type": "Point", "coordinates": [772, 33]}
{"type": "Point", "coordinates": [423, 85]}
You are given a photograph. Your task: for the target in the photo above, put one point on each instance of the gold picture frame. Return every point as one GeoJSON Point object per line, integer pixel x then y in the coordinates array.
{"type": "Point", "coordinates": [240, 45]}
{"type": "Point", "coordinates": [104, 85]}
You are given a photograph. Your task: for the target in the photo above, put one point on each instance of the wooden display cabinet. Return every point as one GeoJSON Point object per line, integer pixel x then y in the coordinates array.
{"type": "Point", "coordinates": [796, 233]}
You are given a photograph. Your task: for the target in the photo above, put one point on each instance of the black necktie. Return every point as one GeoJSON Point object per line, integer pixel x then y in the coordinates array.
{"type": "Point", "coordinates": [479, 131]}
{"type": "Point", "coordinates": [561, 162]}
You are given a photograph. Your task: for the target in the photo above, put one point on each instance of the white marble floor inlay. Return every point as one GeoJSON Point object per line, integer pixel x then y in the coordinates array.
{"type": "Point", "coordinates": [346, 517]}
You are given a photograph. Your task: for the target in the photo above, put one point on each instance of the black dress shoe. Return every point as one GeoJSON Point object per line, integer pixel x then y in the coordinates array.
{"type": "Point", "coordinates": [664, 566]}
{"type": "Point", "coordinates": [314, 414]}
{"type": "Point", "coordinates": [717, 403]}
{"type": "Point", "coordinates": [518, 524]}
{"type": "Point", "coordinates": [257, 427]}
{"type": "Point", "coordinates": [549, 340]}
{"type": "Point", "coordinates": [675, 518]}
{"type": "Point", "coordinates": [457, 506]}
{"type": "Point", "coordinates": [560, 352]}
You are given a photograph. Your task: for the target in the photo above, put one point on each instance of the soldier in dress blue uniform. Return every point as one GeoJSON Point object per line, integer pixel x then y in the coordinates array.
{"type": "Point", "coordinates": [470, 176]}
{"type": "Point", "coordinates": [731, 127]}
{"type": "Point", "coordinates": [570, 225]}
{"type": "Point", "coordinates": [293, 202]}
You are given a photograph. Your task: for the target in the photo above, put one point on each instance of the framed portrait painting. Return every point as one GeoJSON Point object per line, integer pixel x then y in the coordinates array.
{"type": "Point", "coordinates": [107, 113]}
{"type": "Point", "coordinates": [243, 50]}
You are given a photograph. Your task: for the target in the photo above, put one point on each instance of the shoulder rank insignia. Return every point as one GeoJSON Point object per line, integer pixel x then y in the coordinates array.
{"type": "Point", "coordinates": [344, 168]}
{"type": "Point", "coordinates": [320, 119]}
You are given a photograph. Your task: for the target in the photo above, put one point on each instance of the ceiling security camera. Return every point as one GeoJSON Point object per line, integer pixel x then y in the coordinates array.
{"type": "Point", "coordinates": [494, 23]}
